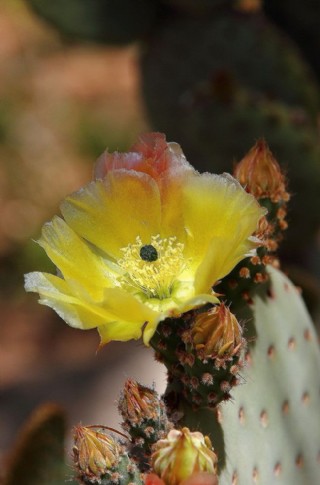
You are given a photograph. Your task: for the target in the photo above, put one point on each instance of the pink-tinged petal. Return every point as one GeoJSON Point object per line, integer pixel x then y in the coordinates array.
{"type": "Point", "coordinates": [151, 155]}
{"type": "Point", "coordinates": [112, 213]}
{"type": "Point", "coordinates": [116, 161]}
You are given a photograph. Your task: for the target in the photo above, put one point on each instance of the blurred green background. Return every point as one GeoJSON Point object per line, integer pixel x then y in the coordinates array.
{"type": "Point", "coordinates": [78, 76]}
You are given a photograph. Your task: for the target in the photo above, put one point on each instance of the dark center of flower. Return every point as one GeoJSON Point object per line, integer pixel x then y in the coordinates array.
{"type": "Point", "coordinates": [148, 253]}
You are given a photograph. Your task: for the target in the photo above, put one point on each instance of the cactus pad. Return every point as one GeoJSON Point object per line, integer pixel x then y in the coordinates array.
{"type": "Point", "coordinates": [272, 426]}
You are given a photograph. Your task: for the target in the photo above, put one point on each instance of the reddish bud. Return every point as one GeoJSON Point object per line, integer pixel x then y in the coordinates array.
{"type": "Point", "coordinates": [261, 175]}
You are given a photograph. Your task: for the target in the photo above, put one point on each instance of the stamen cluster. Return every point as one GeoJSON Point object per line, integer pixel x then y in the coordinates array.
{"type": "Point", "coordinates": [154, 276]}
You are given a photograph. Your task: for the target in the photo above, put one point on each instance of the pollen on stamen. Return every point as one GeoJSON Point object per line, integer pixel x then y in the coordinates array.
{"type": "Point", "coordinates": [152, 268]}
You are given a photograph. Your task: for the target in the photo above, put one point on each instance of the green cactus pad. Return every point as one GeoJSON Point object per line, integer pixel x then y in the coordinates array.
{"type": "Point", "coordinates": [272, 425]}
{"type": "Point", "coordinates": [110, 21]}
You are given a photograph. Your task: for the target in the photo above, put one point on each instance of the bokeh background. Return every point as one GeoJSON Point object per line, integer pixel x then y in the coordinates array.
{"type": "Point", "coordinates": [98, 81]}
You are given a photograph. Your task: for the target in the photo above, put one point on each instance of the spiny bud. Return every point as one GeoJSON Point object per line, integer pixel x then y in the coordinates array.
{"type": "Point", "coordinates": [138, 403]}
{"type": "Point", "coordinates": [217, 332]}
{"type": "Point", "coordinates": [144, 418]}
{"type": "Point", "coordinates": [182, 454]}
{"type": "Point", "coordinates": [261, 175]}
{"type": "Point", "coordinates": [95, 452]}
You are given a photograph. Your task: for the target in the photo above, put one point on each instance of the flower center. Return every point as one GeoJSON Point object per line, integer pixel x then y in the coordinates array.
{"type": "Point", "coordinates": [148, 253]}
{"type": "Point", "coordinates": [152, 268]}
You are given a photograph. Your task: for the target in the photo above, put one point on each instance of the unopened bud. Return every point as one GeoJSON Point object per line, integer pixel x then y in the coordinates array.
{"type": "Point", "coordinates": [138, 403]}
{"type": "Point", "coordinates": [182, 454]}
{"type": "Point", "coordinates": [261, 175]}
{"type": "Point", "coordinates": [95, 452]}
{"type": "Point", "coordinates": [217, 332]}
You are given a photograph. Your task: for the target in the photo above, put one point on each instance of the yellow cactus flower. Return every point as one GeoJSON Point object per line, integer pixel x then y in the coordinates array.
{"type": "Point", "coordinates": [146, 240]}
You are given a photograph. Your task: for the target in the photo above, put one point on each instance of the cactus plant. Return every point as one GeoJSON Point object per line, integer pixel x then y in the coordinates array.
{"type": "Point", "coordinates": [242, 400]}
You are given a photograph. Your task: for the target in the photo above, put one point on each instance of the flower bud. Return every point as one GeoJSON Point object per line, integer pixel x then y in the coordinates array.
{"type": "Point", "coordinates": [138, 403]}
{"type": "Point", "coordinates": [182, 454]}
{"type": "Point", "coordinates": [261, 175]}
{"type": "Point", "coordinates": [95, 452]}
{"type": "Point", "coordinates": [217, 332]}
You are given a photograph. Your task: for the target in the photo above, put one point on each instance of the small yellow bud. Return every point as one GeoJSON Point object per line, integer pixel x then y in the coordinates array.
{"type": "Point", "coordinates": [261, 175]}
{"type": "Point", "coordinates": [217, 332]}
{"type": "Point", "coordinates": [95, 452]}
{"type": "Point", "coordinates": [182, 454]}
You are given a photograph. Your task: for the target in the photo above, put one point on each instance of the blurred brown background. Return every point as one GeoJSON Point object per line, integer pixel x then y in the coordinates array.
{"type": "Point", "coordinates": [61, 105]}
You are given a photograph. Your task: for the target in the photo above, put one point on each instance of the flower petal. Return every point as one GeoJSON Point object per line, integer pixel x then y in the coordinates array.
{"type": "Point", "coordinates": [112, 213]}
{"type": "Point", "coordinates": [221, 257]}
{"type": "Point", "coordinates": [55, 293]}
{"type": "Point", "coordinates": [75, 260]}
{"type": "Point", "coordinates": [119, 310]}
{"type": "Point", "coordinates": [151, 155]}
{"type": "Point", "coordinates": [216, 207]}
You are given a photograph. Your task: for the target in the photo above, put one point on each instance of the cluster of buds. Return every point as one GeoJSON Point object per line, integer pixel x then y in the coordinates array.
{"type": "Point", "coordinates": [181, 457]}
